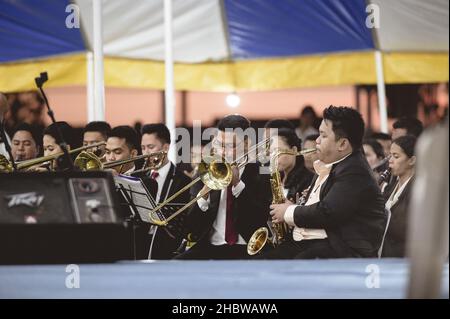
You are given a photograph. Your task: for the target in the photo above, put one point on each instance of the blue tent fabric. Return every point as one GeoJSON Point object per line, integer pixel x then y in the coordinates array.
{"type": "Point", "coordinates": [290, 28]}
{"type": "Point", "coordinates": [228, 45]}
{"type": "Point", "coordinates": [36, 28]}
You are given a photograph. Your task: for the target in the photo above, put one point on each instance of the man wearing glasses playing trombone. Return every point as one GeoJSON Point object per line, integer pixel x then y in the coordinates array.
{"type": "Point", "coordinates": [222, 221]}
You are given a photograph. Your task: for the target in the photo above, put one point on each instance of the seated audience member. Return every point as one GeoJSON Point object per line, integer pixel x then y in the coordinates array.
{"type": "Point", "coordinates": [406, 126]}
{"type": "Point", "coordinates": [375, 156]}
{"type": "Point", "coordinates": [385, 141]}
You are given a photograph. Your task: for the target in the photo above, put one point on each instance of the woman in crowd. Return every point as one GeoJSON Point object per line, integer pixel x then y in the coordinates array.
{"type": "Point", "coordinates": [375, 156]}
{"type": "Point", "coordinates": [402, 164]}
{"type": "Point", "coordinates": [295, 176]}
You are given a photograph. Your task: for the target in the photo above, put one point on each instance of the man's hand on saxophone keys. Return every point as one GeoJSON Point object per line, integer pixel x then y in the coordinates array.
{"type": "Point", "coordinates": [278, 210]}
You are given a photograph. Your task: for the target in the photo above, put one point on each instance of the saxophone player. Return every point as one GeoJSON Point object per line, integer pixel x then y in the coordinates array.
{"type": "Point", "coordinates": [344, 213]}
{"type": "Point", "coordinates": [295, 177]}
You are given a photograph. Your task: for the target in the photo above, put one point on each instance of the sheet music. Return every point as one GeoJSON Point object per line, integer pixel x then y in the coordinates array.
{"type": "Point", "coordinates": [139, 194]}
{"type": "Point", "coordinates": [142, 199]}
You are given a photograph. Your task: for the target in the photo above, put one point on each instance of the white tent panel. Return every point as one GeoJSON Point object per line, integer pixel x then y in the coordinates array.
{"type": "Point", "coordinates": [413, 25]}
{"type": "Point", "coordinates": [135, 29]}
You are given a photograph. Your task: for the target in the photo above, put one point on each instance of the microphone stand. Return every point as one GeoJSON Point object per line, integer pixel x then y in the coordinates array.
{"type": "Point", "coordinates": [7, 146]}
{"type": "Point", "coordinates": [40, 80]}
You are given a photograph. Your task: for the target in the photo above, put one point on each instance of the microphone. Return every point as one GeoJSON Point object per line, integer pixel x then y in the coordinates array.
{"type": "Point", "coordinates": [3, 106]}
{"type": "Point", "coordinates": [40, 80]}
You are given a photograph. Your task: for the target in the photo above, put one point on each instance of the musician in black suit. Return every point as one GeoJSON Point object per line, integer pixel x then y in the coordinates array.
{"type": "Point", "coordinates": [223, 221]}
{"type": "Point", "coordinates": [344, 214]}
{"type": "Point", "coordinates": [168, 180]}
{"type": "Point", "coordinates": [402, 163]}
{"type": "Point", "coordinates": [96, 132]}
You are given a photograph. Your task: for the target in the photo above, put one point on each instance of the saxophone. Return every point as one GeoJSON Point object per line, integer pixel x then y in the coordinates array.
{"type": "Point", "coordinates": [279, 231]}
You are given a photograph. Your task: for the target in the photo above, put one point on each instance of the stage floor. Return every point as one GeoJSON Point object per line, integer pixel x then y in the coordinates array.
{"type": "Point", "coordinates": [293, 279]}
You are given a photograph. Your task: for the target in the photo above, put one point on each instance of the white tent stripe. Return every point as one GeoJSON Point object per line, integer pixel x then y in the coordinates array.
{"type": "Point", "coordinates": [135, 29]}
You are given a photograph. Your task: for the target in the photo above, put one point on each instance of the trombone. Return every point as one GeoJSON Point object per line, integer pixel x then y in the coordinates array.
{"type": "Point", "coordinates": [214, 172]}
{"type": "Point", "coordinates": [87, 161]}
{"type": "Point", "coordinates": [152, 162]}
{"type": "Point", "coordinates": [6, 166]}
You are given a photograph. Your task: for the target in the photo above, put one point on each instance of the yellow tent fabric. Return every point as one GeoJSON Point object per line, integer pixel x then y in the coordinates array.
{"type": "Point", "coordinates": [254, 75]}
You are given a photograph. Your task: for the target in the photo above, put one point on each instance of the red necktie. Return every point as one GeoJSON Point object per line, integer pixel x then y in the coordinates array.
{"type": "Point", "coordinates": [154, 175]}
{"type": "Point", "coordinates": [231, 236]}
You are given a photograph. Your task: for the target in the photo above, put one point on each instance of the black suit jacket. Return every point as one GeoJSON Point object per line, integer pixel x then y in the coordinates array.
{"type": "Point", "coordinates": [394, 242]}
{"type": "Point", "coordinates": [351, 209]}
{"type": "Point", "coordinates": [298, 180]}
{"type": "Point", "coordinates": [250, 208]}
{"type": "Point", "coordinates": [165, 240]}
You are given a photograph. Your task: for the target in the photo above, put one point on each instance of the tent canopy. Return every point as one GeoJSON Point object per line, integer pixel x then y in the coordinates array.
{"type": "Point", "coordinates": [227, 45]}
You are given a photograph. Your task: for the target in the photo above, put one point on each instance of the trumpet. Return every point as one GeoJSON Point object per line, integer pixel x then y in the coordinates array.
{"type": "Point", "coordinates": [87, 161]}
{"type": "Point", "coordinates": [214, 172]}
{"type": "Point", "coordinates": [279, 231]}
{"type": "Point", "coordinates": [7, 167]}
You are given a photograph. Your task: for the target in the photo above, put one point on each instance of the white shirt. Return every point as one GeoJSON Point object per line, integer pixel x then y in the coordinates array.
{"type": "Point", "coordinates": [396, 194]}
{"type": "Point", "coordinates": [285, 192]}
{"type": "Point", "coordinates": [218, 236]}
{"type": "Point", "coordinates": [131, 170]}
{"type": "Point", "coordinates": [162, 171]}
{"type": "Point", "coordinates": [3, 148]}
{"type": "Point", "coordinates": [300, 233]}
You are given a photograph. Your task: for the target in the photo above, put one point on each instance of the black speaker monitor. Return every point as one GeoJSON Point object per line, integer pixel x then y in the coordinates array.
{"type": "Point", "coordinates": [61, 217]}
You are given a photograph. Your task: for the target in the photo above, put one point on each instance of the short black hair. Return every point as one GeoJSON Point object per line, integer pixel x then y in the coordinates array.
{"type": "Point", "coordinates": [161, 131]}
{"type": "Point", "coordinates": [380, 136]}
{"type": "Point", "coordinates": [412, 125]}
{"type": "Point", "coordinates": [279, 123]}
{"type": "Point", "coordinates": [290, 137]}
{"type": "Point", "coordinates": [232, 122]}
{"type": "Point", "coordinates": [129, 134]}
{"type": "Point", "coordinates": [376, 146]}
{"type": "Point", "coordinates": [347, 123]}
{"type": "Point", "coordinates": [98, 126]}
{"type": "Point", "coordinates": [308, 109]}
{"type": "Point", "coordinates": [311, 137]}
{"type": "Point", "coordinates": [65, 129]}
{"type": "Point", "coordinates": [407, 143]}
{"type": "Point", "coordinates": [35, 132]}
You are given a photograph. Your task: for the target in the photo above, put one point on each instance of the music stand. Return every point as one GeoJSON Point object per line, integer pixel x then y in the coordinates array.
{"type": "Point", "coordinates": [141, 202]}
